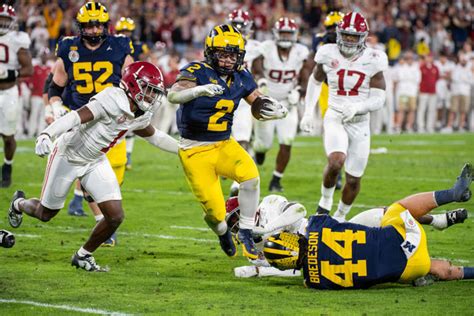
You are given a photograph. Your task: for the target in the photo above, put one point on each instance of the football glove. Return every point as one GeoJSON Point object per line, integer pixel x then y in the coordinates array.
{"type": "Point", "coordinates": [54, 111]}
{"type": "Point", "coordinates": [307, 123]}
{"type": "Point", "coordinates": [272, 110]}
{"type": "Point", "coordinates": [348, 111]}
{"type": "Point", "coordinates": [3, 72]}
{"type": "Point", "coordinates": [294, 96]}
{"type": "Point", "coordinates": [44, 145]}
{"type": "Point", "coordinates": [209, 90]}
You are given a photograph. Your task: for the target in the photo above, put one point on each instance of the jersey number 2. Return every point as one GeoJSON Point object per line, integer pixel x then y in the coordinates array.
{"type": "Point", "coordinates": [82, 72]}
{"type": "Point", "coordinates": [223, 107]}
{"type": "Point", "coordinates": [355, 90]}
{"type": "Point", "coordinates": [341, 244]}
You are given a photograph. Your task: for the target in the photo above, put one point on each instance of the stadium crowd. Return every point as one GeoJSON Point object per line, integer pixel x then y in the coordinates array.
{"type": "Point", "coordinates": [428, 43]}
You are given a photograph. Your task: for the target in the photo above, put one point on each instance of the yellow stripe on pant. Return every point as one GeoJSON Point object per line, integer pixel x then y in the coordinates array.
{"type": "Point", "coordinates": [117, 157]}
{"type": "Point", "coordinates": [203, 165]}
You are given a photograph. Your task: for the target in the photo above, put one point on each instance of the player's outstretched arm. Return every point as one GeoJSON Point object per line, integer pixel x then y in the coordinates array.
{"type": "Point", "coordinates": [184, 91]}
{"type": "Point", "coordinates": [87, 113]}
{"type": "Point", "coordinates": [446, 271]}
{"type": "Point", "coordinates": [158, 139]}
{"type": "Point", "coordinates": [293, 213]}
{"type": "Point", "coordinates": [313, 90]}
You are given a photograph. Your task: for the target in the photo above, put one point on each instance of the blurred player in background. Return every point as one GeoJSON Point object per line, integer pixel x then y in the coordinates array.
{"type": "Point", "coordinates": [354, 74]}
{"type": "Point", "coordinates": [282, 68]}
{"type": "Point", "coordinates": [336, 255]}
{"type": "Point", "coordinates": [15, 62]}
{"type": "Point", "coordinates": [243, 121]}
{"type": "Point", "coordinates": [88, 64]}
{"type": "Point", "coordinates": [83, 139]}
{"type": "Point", "coordinates": [208, 93]}
{"type": "Point", "coordinates": [126, 26]}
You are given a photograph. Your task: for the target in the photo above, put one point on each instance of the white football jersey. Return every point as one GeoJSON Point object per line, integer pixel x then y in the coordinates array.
{"type": "Point", "coordinates": [10, 44]}
{"type": "Point", "coordinates": [112, 119]}
{"type": "Point", "coordinates": [282, 75]}
{"type": "Point", "coordinates": [252, 51]}
{"type": "Point", "coordinates": [349, 80]}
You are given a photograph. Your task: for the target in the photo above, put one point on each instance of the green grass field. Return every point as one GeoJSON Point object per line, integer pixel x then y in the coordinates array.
{"type": "Point", "coordinates": [166, 262]}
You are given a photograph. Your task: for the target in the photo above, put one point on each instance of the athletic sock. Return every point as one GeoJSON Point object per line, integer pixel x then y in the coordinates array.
{"type": "Point", "coordinates": [8, 162]}
{"type": "Point", "coordinates": [249, 193]}
{"type": "Point", "coordinates": [16, 203]}
{"type": "Point", "coordinates": [440, 221]}
{"type": "Point", "coordinates": [326, 197]}
{"type": "Point", "coordinates": [444, 196]}
{"type": "Point", "coordinates": [277, 175]}
{"type": "Point", "coordinates": [468, 273]}
{"type": "Point", "coordinates": [82, 252]}
{"type": "Point", "coordinates": [342, 210]}
{"type": "Point", "coordinates": [98, 218]}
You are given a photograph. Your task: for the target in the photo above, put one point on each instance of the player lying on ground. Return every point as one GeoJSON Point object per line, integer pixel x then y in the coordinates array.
{"type": "Point", "coordinates": [83, 138]}
{"type": "Point", "coordinates": [275, 213]}
{"type": "Point", "coordinates": [337, 255]}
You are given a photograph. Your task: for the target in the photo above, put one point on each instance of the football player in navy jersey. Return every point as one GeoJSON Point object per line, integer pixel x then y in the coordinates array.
{"type": "Point", "coordinates": [208, 93]}
{"type": "Point", "coordinates": [86, 65]}
{"type": "Point", "coordinates": [336, 255]}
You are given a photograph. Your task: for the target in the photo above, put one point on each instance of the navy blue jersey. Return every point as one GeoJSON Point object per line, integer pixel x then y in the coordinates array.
{"type": "Point", "coordinates": [210, 119]}
{"type": "Point", "coordinates": [346, 255]}
{"type": "Point", "coordinates": [138, 49]}
{"type": "Point", "coordinates": [90, 72]}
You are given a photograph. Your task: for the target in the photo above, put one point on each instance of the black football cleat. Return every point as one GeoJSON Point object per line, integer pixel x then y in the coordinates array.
{"type": "Point", "coordinates": [6, 176]}
{"type": "Point", "coordinates": [87, 263]}
{"type": "Point", "coordinates": [228, 244]}
{"type": "Point", "coordinates": [339, 181]}
{"type": "Point", "coordinates": [456, 216]}
{"type": "Point", "coordinates": [461, 187]}
{"type": "Point", "coordinates": [244, 237]}
{"type": "Point", "coordinates": [275, 185]}
{"type": "Point", "coordinates": [259, 158]}
{"type": "Point", "coordinates": [15, 217]}
{"type": "Point", "coordinates": [322, 211]}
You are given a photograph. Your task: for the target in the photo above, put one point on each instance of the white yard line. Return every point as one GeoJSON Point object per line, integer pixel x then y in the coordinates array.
{"type": "Point", "coordinates": [203, 229]}
{"type": "Point", "coordinates": [63, 307]}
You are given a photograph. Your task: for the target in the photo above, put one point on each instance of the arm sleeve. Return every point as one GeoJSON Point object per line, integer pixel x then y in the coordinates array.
{"type": "Point", "coordinates": [63, 124]}
{"type": "Point", "coordinates": [375, 101]}
{"type": "Point", "coordinates": [163, 141]}
{"type": "Point", "coordinates": [313, 91]}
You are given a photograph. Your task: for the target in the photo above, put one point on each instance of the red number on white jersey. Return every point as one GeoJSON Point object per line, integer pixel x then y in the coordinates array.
{"type": "Point", "coordinates": [3, 53]}
{"type": "Point", "coordinates": [354, 90]}
{"type": "Point", "coordinates": [283, 76]}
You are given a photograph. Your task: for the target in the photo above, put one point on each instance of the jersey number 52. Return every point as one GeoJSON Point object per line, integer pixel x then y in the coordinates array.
{"type": "Point", "coordinates": [82, 72]}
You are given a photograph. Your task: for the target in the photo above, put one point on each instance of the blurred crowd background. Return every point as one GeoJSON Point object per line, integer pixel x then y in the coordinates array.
{"type": "Point", "coordinates": [416, 35]}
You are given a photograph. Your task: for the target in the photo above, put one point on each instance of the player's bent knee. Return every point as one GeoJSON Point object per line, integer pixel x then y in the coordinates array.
{"type": "Point", "coordinates": [352, 181]}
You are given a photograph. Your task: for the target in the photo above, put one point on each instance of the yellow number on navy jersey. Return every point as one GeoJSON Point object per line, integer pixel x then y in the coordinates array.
{"type": "Point", "coordinates": [341, 244]}
{"type": "Point", "coordinates": [82, 72]}
{"type": "Point", "coordinates": [224, 106]}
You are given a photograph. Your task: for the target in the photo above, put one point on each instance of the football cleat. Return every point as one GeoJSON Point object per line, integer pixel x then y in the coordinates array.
{"type": "Point", "coordinates": [456, 216]}
{"type": "Point", "coordinates": [87, 263]}
{"type": "Point", "coordinates": [228, 244]}
{"type": "Point", "coordinates": [6, 176]}
{"type": "Point", "coordinates": [111, 242]}
{"type": "Point", "coordinates": [275, 186]}
{"type": "Point", "coordinates": [461, 187]}
{"type": "Point", "coordinates": [15, 217]}
{"type": "Point", "coordinates": [339, 181]}
{"type": "Point", "coordinates": [259, 158]}
{"type": "Point", "coordinates": [75, 207]}
{"type": "Point", "coordinates": [322, 211]}
{"type": "Point", "coordinates": [244, 237]}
